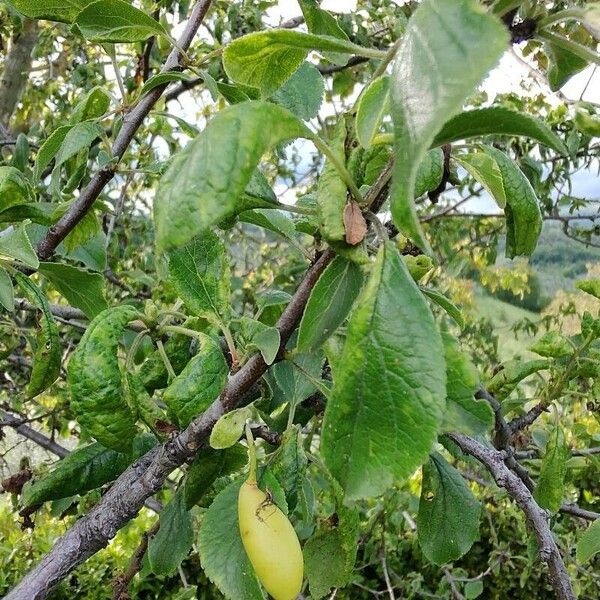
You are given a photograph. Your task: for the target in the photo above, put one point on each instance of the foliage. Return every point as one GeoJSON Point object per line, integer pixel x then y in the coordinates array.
{"type": "Point", "coordinates": [266, 228]}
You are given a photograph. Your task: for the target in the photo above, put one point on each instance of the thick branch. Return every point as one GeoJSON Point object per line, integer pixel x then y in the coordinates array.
{"type": "Point", "coordinates": [147, 475]}
{"type": "Point", "coordinates": [549, 553]}
{"type": "Point", "coordinates": [131, 123]}
{"type": "Point", "coordinates": [31, 434]}
{"type": "Point", "coordinates": [16, 70]}
{"type": "Point", "coordinates": [64, 312]}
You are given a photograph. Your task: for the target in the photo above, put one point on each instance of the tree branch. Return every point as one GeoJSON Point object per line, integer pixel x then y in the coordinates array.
{"type": "Point", "coordinates": [16, 70]}
{"type": "Point", "coordinates": [131, 123]}
{"type": "Point", "coordinates": [45, 442]}
{"type": "Point", "coordinates": [121, 584]}
{"type": "Point", "coordinates": [549, 553]}
{"type": "Point", "coordinates": [147, 475]}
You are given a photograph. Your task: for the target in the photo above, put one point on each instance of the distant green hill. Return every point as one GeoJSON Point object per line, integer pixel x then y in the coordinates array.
{"type": "Point", "coordinates": [557, 263]}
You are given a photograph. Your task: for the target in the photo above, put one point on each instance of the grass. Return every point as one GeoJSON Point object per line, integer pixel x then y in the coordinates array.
{"type": "Point", "coordinates": [504, 316]}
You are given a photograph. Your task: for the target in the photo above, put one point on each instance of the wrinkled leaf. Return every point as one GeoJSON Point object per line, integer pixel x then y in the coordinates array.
{"type": "Point", "coordinates": [202, 183]}
{"type": "Point", "coordinates": [389, 389]}
{"type": "Point", "coordinates": [202, 380]}
{"type": "Point", "coordinates": [199, 272]}
{"type": "Point", "coordinates": [94, 379]}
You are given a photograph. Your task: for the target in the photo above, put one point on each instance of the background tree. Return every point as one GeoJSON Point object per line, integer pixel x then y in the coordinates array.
{"type": "Point", "coordinates": [208, 220]}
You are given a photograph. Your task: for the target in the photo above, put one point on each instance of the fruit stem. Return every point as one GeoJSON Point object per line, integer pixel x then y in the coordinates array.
{"type": "Point", "coordinates": [251, 456]}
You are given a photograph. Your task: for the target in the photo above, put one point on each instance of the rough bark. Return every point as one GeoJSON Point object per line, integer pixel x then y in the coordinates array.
{"type": "Point", "coordinates": [16, 71]}
{"type": "Point", "coordinates": [537, 518]}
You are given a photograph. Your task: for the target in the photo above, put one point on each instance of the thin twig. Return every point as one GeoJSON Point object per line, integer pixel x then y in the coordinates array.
{"type": "Point", "coordinates": [131, 123]}
{"type": "Point", "coordinates": [122, 582]}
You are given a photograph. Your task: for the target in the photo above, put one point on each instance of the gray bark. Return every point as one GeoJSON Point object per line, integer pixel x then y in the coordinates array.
{"type": "Point", "coordinates": [16, 71]}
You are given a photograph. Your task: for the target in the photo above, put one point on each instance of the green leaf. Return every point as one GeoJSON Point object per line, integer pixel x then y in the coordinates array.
{"type": "Point", "coordinates": [389, 390]}
{"type": "Point", "coordinates": [92, 253]}
{"type": "Point", "coordinates": [174, 539]}
{"type": "Point", "coordinates": [302, 93]}
{"type": "Point", "coordinates": [14, 243]}
{"type": "Point", "coordinates": [139, 401]}
{"type": "Point", "coordinates": [589, 543]}
{"type": "Point", "coordinates": [562, 65]}
{"type": "Point", "coordinates": [434, 72]}
{"type": "Point", "coordinates": [523, 216]}
{"type": "Point", "coordinates": [202, 184]}
{"type": "Point", "coordinates": [512, 373]}
{"type": "Point", "coordinates": [473, 589]}
{"type": "Point", "coordinates": [7, 296]}
{"type": "Point", "coordinates": [267, 59]}
{"type": "Point", "coordinates": [331, 189]}
{"type": "Point", "coordinates": [84, 469]}
{"type": "Point", "coordinates": [329, 555]}
{"type": "Point", "coordinates": [47, 356]}
{"type": "Point", "coordinates": [261, 337]}
{"type": "Point", "coordinates": [94, 378]}
{"type": "Point", "coordinates": [550, 489]}
{"type": "Point", "coordinates": [49, 149]}
{"type": "Point", "coordinates": [161, 79]}
{"type": "Point", "coordinates": [38, 212]}
{"type": "Point", "coordinates": [372, 106]}
{"type": "Point", "coordinates": [85, 230]}
{"type": "Point", "coordinates": [207, 467]}
{"type": "Point", "coordinates": [288, 464]}
{"type": "Point", "coordinates": [93, 105]}
{"type": "Point", "coordinates": [77, 138]}
{"type": "Point", "coordinates": [229, 428]}
{"type": "Point", "coordinates": [200, 272]}
{"type": "Point", "coordinates": [320, 22]}
{"type": "Point", "coordinates": [446, 304]}
{"type": "Point", "coordinates": [81, 288]}
{"type": "Point", "coordinates": [498, 120]}
{"type": "Point", "coordinates": [295, 386]}
{"type": "Point", "coordinates": [430, 172]}
{"type": "Point", "coordinates": [463, 411]}
{"type": "Point", "coordinates": [222, 554]}
{"type": "Point", "coordinates": [15, 188]}
{"type": "Point", "coordinates": [552, 345]}
{"type": "Point", "coordinates": [589, 286]}
{"type": "Point", "coordinates": [201, 382]}
{"type": "Point", "coordinates": [53, 10]}
{"type": "Point", "coordinates": [329, 303]}
{"type": "Point", "coordinates": [586, 121]}
{"type": "Point", "coordinates": [116, 21]}
{"type": "Point", "coordinates": [448, 517]}
{"type": "Point", "coordinates": [273, 220]}
{"type": "Point", "coordinates": [483, 168]}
